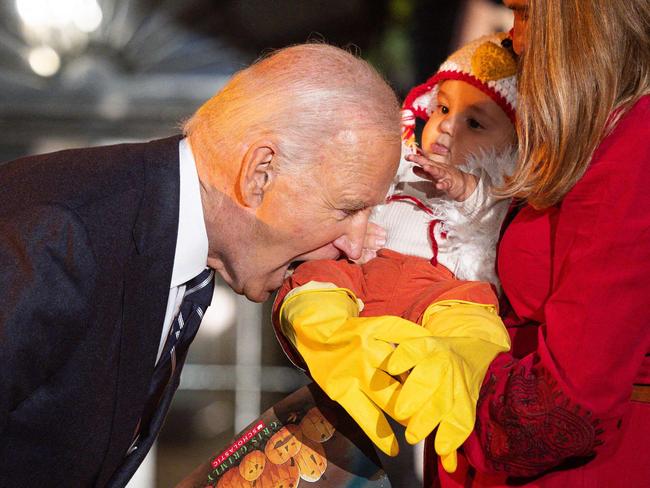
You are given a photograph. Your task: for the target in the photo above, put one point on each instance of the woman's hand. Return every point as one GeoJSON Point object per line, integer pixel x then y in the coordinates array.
{"type": "Point", "coordinates": [457, 184]}
{"type": "Point", "coordinates": [445, 373]}
{"type": "Point", "coordinates": [345, 353]}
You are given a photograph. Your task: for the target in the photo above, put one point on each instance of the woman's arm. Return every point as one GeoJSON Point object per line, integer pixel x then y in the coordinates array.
{"type": "Point", "coordinates": [569, 397]}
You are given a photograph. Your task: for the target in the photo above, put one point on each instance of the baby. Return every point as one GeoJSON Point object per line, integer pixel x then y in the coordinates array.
{"type": "Point", "coordinates": [342, 319]}
{"type": "Point", "coordinates": [467, 147]}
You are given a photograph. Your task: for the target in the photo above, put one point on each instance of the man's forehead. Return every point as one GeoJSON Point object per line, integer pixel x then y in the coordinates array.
{"type": "Point", "coordinates": [363, 180]}
{"type": "Point", "coordinates": [360, 190]}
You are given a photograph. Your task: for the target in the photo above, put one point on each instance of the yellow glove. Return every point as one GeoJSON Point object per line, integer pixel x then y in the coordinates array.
{"type": "Point", "coordinates": [447, 372]}
{"type": "Point", "coordinates": [344, 353]}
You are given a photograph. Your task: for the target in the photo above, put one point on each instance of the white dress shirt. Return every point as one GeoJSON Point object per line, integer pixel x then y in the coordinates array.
{"type": "Point", "coordinates": [191, 255]}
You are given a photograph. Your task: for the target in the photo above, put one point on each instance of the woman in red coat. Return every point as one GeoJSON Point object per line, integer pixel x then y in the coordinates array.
{"type": "Point", "coordinates": [568, 407]}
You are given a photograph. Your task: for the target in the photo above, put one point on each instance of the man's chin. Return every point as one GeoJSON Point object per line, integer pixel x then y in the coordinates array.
{"type": "Point", "coordinates": [257, 296]}
{"type": "Point", "coordinates": [260, 291]}
{"type": "Point", "coordinates": [260, 288]}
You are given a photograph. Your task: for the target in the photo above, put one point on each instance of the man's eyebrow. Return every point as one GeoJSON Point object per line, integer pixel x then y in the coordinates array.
{"type": "Point", "coordinates": [354, 205]}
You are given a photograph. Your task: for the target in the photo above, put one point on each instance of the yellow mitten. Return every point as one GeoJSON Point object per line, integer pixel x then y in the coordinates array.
{"type": "Point", "coordinates": [344, 353]}
{"type": "Point", "coordinates": [447, 372]}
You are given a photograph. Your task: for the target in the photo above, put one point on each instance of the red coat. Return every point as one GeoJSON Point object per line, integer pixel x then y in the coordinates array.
{"type": "Point", "coordinates": [577, 277]}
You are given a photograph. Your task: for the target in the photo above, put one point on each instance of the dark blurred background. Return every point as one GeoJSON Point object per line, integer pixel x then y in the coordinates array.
{"type": "Point", "coordinates": [88, 72]}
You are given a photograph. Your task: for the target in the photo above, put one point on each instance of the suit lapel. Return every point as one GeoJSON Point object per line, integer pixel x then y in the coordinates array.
{"type": "Point", "coordinates": [146, 290]}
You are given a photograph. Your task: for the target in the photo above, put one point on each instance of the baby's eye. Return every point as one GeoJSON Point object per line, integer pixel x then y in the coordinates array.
{"type": "Point", "coordinates": [443, 109]}
{"type": "Point", "coordinates": [474, 124]}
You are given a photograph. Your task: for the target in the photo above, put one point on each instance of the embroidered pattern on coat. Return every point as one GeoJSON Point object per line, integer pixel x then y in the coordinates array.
{"type": "Point", "coordinates": [533, 426]}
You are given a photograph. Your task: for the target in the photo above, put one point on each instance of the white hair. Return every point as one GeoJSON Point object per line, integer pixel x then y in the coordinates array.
{"type": "Point", "coordinates": [317, 101]}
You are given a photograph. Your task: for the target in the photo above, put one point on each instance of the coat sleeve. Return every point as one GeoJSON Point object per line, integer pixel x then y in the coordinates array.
{"type": "Point", "coordinates": [568, 398]}
{"type": "Point", "coordinates": [47, 274]}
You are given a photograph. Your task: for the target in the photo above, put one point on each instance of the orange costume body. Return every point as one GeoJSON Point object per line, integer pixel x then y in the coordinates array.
{"type": "Point", "coordinates": [390, 284]}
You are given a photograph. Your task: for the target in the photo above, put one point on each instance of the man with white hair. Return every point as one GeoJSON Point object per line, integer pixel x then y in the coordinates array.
{"type": "Point", "coordinates": [106, 254]}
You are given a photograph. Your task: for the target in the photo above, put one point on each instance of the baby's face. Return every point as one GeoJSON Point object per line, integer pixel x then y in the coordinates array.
{"type": "Point", "coordinates": [466, 121]}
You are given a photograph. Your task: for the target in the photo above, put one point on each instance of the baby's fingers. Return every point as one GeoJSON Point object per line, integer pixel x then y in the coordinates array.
{"type": "Point", "coordinates": [374, 240]}
{"type": "Point", "coordinates": [444, 184]}
{"type": "Point", "coordinates": [375, 237]}
{"type": "Point", "coordinates": [419, 171]}
{"type": "Point", "coordinates": [436, 174]}
{"type": "Point", "coordinates": [366, 255]}
{"type": "Point", "coordinates": [417, 159]}
{"type": "Point", "coordinates": [435, 159]}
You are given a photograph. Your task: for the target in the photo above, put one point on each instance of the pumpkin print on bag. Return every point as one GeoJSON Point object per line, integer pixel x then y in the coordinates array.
{"type": "Point", "coordinates": [316, 427]}
{"type": "Point", "coordinates": [262, 482]}
{"type": "Point", "coordinates": [311, 460]}
{"type": "Point", "coordinates": [285, 475]}
{"type": "Point", "coordinates": [284, 444]}
{"type": "Point", "coordinates": [265, 480]}
{"type": "Point", "coordinates": [232, 479]}
{"type": "Point", "coordinates": [252, 466]}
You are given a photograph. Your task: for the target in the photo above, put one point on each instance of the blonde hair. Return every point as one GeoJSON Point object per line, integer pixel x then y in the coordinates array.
{"type": "Point", "coordinates": [586, 62]}
{"type": "Point", "coordinates": [315, 100]}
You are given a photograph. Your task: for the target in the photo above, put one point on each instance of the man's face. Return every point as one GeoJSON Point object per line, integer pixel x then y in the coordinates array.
{"type": "Point", "coordinates": [321, 215]}
{"type": "Point", "coordinates": [465, 122]}
{"type": "Point", "coordinates": [520, 9]}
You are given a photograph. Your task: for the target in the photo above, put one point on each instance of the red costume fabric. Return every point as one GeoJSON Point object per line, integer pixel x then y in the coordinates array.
{"type": "Point", "coordinates": [390, 284]}
{"type": "Point", "coordinates": [557, 412]}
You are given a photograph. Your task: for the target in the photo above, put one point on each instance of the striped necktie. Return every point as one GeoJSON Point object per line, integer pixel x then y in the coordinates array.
{"type": "Point", "coordinates": [166, 375]}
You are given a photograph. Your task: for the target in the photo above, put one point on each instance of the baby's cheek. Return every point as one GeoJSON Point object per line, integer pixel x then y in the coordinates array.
{"type": "Point", "coordinates": [504, 139]}
{"type": "Point", "coordinates": [429, 133]}
{"type": "Point", "coordinates": [463, 147]}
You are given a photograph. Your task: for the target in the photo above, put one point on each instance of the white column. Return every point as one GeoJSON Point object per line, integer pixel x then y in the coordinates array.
{"type": "Point", "coordinates": [248, 381]}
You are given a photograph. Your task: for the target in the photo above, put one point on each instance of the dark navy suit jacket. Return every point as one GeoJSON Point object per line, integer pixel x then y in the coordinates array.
{"type": "Point", "coordinates": [87, 240]}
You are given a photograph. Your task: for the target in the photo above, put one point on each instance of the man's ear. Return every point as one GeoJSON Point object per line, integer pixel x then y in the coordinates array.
{"type": "Point", "coordinates": [257, 173]}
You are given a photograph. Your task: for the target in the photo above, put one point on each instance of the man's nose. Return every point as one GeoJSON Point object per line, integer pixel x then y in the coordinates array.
{"type": "Point", "coordinates": [351, 243]}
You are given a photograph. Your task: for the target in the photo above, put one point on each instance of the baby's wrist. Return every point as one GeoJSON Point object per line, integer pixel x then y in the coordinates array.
{"type": "Point", "coordinates": [469, 184]}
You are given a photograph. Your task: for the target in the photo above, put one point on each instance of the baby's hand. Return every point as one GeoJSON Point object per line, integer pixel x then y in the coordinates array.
{"type": "Point", "coordinates": [457, 184]}
{"type": "Point", "coordinates": [375, 239]}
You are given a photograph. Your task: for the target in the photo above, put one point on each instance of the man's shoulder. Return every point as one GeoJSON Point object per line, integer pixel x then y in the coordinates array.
{"type": "Point", "coordinates": [77, 176]}
{"type": "Point", "coordinates": [48, 229]}
{"type": "Point", "coordinates": [122, 150]}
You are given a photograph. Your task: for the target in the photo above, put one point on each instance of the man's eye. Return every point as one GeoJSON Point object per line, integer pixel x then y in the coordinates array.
{"type": "Point", "coordinates": [474, 124]}
{"type": "Point", "coordinates": [346, 213]}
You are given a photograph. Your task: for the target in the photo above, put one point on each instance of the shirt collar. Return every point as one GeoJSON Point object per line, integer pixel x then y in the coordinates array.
{"type": "Point", "coordinates": [191, 254]}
